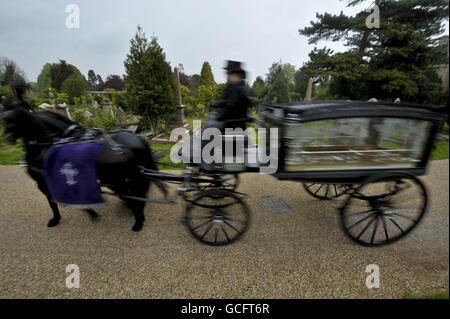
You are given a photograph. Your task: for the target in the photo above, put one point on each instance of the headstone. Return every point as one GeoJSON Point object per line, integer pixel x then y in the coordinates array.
{"type": "Point", "coordinates": [63, 109]}
{"type": "Point", "coordinates": [309, 90]}
{"type": "Point", "coordinates": [106, 108]}
{"type": "Point", "coordinates": [87, 114]}
{"type": "Point", "coordinates": [180, 121]}
{"type": "Point", "coordinates": [122, 116]}
{"type": "Point", "coordinates": [133, 128]}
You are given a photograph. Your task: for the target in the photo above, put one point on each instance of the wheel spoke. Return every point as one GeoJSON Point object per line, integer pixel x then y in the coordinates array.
{"type": "Point", "coordinates": [202, 224]}
{"type": "Point", "coordinates": [398, 226]}
{"type": "Point", "coordinates": [237, 230]}
{"type": "Point", "coordinates": [365, 228]}
{"type": "Point", "coordinates": [215, 236]}
{"type": "Point", "coordinates": [224, 231]}
{"type": "Point", "coordinates": [206, 231]}
{"type": "Point", "coordinates": [374, 229]}
{"type": "Point", "coordinates": [360, 221]}
{"type": "Point", "coordinates": [335, 190]}
{"type": "Point", "coordinates": [318, 189]}
{"type": "Point", "coordinates": [406, 217]}
{"type": "Point", "coordinates": [326, 192]}
{"type": "Point", "coordinates": [237, 220]}
{"type": "Point", "coordinates": [383, 219]}
{"type": "Point", "coordinates": [201, 217]}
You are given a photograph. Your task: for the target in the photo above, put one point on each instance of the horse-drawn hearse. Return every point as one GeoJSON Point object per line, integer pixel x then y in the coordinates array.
{"type": "Point", "coordinates": [370, 153]}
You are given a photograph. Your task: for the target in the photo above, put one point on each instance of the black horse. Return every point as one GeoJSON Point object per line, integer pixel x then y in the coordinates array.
{"type": "Point", "coordinates": [120, 171]}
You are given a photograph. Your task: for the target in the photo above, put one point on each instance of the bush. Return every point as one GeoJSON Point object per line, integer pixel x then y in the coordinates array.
{"type": "Point", "coordinates": [74, 86]}
{"type": "Point", "coordinates": [62, 98]}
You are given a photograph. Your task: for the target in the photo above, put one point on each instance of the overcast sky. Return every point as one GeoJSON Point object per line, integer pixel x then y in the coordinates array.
{"type": "Point", "coordinates": [258, 32]}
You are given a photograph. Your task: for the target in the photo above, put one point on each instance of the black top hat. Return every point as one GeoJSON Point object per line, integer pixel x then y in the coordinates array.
{"type": "Point", "coordinates": [234, 67]}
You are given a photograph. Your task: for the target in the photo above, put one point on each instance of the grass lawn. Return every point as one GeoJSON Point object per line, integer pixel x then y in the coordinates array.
{"type": "Point", "coordinates": [433, 296]}
{"type": "Point", "coordinates": [10, 154]}
{"type": "Point", "coordinates": [165, 162]}
{"type": "Point", "coordinates": [441, 151]}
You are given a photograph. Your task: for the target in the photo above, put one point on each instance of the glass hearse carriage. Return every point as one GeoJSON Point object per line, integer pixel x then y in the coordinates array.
{"type": "Point", "coordinates": [371, 152]}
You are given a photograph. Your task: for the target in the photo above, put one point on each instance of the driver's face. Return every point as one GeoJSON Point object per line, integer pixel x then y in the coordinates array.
{"type": "Point", "coordinates": [233, 78]}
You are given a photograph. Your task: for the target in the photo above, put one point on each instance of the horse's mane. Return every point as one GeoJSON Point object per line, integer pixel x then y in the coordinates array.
{"type": "Point", "coordinates": [53, 122]}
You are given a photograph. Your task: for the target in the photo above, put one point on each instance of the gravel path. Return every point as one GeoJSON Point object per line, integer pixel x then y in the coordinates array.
{"type": "Point", "coordinates": [299, 254]}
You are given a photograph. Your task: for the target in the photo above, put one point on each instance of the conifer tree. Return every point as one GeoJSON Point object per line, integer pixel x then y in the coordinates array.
{"type": "Point", "coordinates": [150, 86]}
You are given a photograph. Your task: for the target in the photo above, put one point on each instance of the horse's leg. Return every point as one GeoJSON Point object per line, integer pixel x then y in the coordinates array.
{"type": "Point", "coordinates": [138, 188]}
{"type": "Point", "coordinates": [56, 215]}
{"type": "Point", "coordinates": [92, 213]}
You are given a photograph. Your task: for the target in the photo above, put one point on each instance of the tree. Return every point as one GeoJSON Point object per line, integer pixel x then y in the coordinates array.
{"type": "Point", "coordinates": [59, 72]}
{"type": "Point", "coordinates": [278, 84]}
{"type": "Point", "coordinates": [392, 61]}
{"type": "Point", "coordinates": [184, 78]}
{"type": "Point", "coordinates": [99, 82]}
{"type": "Point", "coordinates": [112, 82]}
{"type": "Point", "coordinates": [220, 89]}
{"type": "Point", "coordinates": [258, 88]}
{"type": "Point", "coordinates": [206, 77]}
{"type": "Point", "coordinates": [74, 86]}
{"type": "Point", "coordinates": [8, 69]}
{"type": "Point", "coordinates": [205, 95]}
{"type": "Point", "coordinates": [44, 78]}
{"type": "Point", "coordinates": [194, 81]}
{"type": "Point", "coordinates": [92, 80]}
{"type": "Point", "coordinates": [150, 86]}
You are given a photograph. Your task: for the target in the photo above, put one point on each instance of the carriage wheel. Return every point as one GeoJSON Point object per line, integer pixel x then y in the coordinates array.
{"type": "Point", "coordinates": [326, 191]}
{"type": "Point", "coordinates": [229, 182]}
{"type": "Point", "coordinates": [384, 209]}
{"type": "Point", "coordinates": [217, 217]}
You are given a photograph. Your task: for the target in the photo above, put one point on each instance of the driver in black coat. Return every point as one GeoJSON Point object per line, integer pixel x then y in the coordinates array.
{"type": "Point", "coordinates": [229, 110]}
{"type": "Point", "coordinates": [234, 103]}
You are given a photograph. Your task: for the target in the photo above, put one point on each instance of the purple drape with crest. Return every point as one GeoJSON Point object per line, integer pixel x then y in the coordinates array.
{"type": "Point", "coordinates": [71, 174]}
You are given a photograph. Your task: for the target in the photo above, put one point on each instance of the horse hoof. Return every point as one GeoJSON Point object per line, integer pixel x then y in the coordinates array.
{"type": "Point", "coordinates": [95, 217]}
{"type": "Point", "coordinates": [53, 222]}
{"type": "Point", "coordinates": [137, 227]}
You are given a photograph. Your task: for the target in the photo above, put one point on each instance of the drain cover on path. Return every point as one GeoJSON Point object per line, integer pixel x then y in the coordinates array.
{"type": "Point", "coordinates": [273, 205]}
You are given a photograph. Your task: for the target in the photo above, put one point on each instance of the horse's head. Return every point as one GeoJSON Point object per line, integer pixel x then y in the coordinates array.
{"type": "Point", "coordinates": [15, 120]}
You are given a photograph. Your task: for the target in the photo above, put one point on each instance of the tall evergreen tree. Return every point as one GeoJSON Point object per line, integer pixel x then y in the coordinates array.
{"type": "Point", "coordinates": [394, 60]}
{"type": "Point", "coordinates": [99, 82]}
{"type": "Point", "coordinates": [278, 84]}
{"type": "Point", "coordinates": [92, 80]}
{"type": "Point", "coordinates": [150, 86]}
{"type": "Point", "coordinates": [206, 77]}
{"type": "Point", "coordinates": [193, 84]}
{"type": "Point", "coordinates": [44, 78]}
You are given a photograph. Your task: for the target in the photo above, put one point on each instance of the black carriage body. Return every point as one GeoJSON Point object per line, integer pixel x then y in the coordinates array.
{"type": "Point", "coordinates": [348, 141]}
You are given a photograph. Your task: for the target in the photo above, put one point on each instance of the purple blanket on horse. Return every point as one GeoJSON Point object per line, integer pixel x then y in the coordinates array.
{"type": "Point", "coordinates": [71, 174]}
